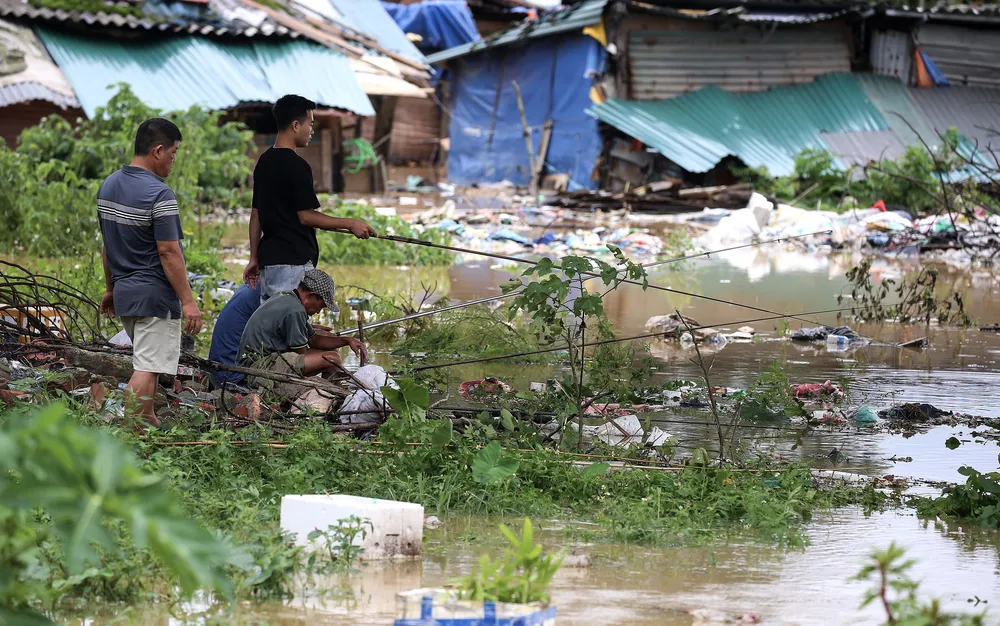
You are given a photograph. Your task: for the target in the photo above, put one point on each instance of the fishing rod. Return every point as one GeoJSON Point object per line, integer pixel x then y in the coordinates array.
{"type": "Point", "coordinates": [488, 299]}
{"type": "Point", "coordinates": [621, 340]}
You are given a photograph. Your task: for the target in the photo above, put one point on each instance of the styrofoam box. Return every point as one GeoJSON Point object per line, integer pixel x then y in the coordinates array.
{"type": "Point", "coordinates": [396, 531]}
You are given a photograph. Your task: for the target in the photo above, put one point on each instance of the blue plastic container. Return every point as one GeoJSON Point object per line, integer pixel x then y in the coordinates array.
{"type": "Point", "coordinates": [437, 610]}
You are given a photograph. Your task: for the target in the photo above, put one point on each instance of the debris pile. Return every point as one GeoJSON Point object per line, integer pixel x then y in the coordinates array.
{"type": "Point", "coordinates": [873, 229]}
{"type": "Point", "coordinates": [527, 230]}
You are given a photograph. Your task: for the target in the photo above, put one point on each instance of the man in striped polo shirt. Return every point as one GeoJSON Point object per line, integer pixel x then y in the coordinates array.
{"type": "Point", "coordinates": [145, 276]}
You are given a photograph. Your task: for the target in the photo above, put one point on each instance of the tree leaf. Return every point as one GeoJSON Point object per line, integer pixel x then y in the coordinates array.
{"type": "Point", "coordinates": [442, 434]}
{"type": "Point", "coordinates": [594, 470]}
{"type": "Point", "coordinates": [507, 420]}
{"type": "Point", "coordinates": [491, 464]}
{"type": "Point", "coordinates": [952, 443]}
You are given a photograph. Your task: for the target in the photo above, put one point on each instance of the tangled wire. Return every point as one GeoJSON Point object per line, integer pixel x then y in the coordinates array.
{"type": "Point", "coordinates": [40, 307]}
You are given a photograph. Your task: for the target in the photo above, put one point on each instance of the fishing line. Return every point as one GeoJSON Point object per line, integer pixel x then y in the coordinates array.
{"type": "Point", "coordinates": [486, 300]}
{"type": "Point", "coordinates": [624, 339]}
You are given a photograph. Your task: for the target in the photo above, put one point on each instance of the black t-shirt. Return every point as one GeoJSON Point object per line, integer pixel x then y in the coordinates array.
{"type": "Point", "coordinates": [283, 186]}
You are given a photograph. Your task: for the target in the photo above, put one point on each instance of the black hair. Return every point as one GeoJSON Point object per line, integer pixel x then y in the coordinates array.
{"type": "Point", "coordinates": [291, 108]}
{"type": "Point", "coordinates": [155, 132]}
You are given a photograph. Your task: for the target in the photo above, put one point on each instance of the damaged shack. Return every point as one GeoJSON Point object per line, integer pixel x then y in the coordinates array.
{"type": "Point", "coordinates": [615, 95]}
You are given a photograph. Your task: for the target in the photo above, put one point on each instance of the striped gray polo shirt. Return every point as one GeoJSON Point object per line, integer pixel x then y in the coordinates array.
{"type": "Point", "coordinates": [137, 209]}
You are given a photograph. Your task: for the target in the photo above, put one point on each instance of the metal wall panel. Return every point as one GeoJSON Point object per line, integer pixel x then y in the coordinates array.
{"type": "Point", "coordinates": [974, 111]}
{"type": "Point", "coordinates": [665, 64]}
{"type": "Point", "coordinates": [892, 54]}
{"type": "Point", "coordinates": [966, 56]}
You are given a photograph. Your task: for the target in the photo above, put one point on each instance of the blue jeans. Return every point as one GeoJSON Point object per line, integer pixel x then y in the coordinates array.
{"type": "Point", "coordinates": [277, 278]}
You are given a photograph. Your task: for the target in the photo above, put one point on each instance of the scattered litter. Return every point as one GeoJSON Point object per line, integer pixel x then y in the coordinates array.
{"type": "Point", "coordinates": [577, 561]}
{"type": "Point", "coordinates": [121, 339]}
{"type": "Point", "coordinates": [537, 387]}
{"type": "Point", "coordinates": [431, 522]}
{"type": "Point", "coordinates": [916, 344]}
{"type": "Point", "coordinates": [913, 412]}
{"type": "Point", "coordinates": [865, 415]}
{"type": "Point", "coordinates": [668, 324]}
{"type": "Point", "coordinates": [367, 405]}
{"type": "Point", "coordinates": [822, 333]}
{"type": "Point", "coordinates": [813, 391]}
{"type": "Point", "coordinates": [484, 390]}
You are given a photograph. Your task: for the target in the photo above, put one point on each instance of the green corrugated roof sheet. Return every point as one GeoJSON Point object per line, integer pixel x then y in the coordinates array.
{"type": "Point", "coordinates": [179, 72]}
{"type": "Point", "coordinates": [763, 129]}
{"type": "Point", "coordinates": [574, 18]}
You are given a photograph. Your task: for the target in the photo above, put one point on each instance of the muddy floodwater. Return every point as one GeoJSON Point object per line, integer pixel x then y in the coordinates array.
{"type": "Point", "coordinates": [636, 585]}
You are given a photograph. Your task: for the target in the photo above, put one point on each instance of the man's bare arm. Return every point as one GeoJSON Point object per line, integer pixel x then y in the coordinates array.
{"type": "Point", "coordinates": [173, 266]}
{"type": "Point", "coordinates": [315, 219]}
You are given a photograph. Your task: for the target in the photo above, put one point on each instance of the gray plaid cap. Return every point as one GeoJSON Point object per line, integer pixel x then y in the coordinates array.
{"type": "Point", "coordinates": [320, 283]}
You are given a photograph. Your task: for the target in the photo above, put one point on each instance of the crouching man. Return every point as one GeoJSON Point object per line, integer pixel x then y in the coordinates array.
{"type": "Point", "coordinates": [279, 338]}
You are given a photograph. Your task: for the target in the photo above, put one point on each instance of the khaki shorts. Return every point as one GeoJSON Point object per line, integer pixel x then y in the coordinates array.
{"type": "Point", "coordinates": [156, 343]}
{"type": "Point", "coordinates": [281, 363]}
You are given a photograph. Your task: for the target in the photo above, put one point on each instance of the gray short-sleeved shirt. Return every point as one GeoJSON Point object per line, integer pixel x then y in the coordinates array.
{"type": "Point", "coordinates": [279, 325]}
{"type": "Point", "coordinates": [137, 209]}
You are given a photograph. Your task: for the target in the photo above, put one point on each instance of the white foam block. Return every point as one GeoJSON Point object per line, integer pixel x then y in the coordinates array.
{"type": "Point", "coordinates": [396, 531]}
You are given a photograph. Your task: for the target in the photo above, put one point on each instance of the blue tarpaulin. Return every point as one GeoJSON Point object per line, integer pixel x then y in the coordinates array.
{"type": "Point", "coordinates": [443, 24]}
{"type": "Point", "coordinates": [555, 75]}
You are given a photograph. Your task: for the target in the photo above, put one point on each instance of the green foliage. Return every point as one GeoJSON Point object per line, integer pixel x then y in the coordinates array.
{"type": "Point", "coordinates": [914, 180]}
{"type": "Point", "coordinates": [770, 396]}
{"type": "Point", "coordinates": [914, 298]}
{"type": "Point", "coordinates": [491, 464]}
{"type": "Point", "coordinates": [337, 546]}
{"type": "Point", "coordinates": [89, 490]}
{"type": "Point", "coordinates": [472, 331]}
{"type": "Point", "coordinates": [410, 401]}
{"type": "Point", "coordinates": [978, 500]}
{"type": "Point", "coordinates": [522, 576]}
{"type": "Point", "coordinates": [91, 6]}
{"type": "Point", "coordinates": [58, 167]}
{"type": "Point", "coordinates": [345, 249]}
{"type": "Point", "coordinates": [896, 592]}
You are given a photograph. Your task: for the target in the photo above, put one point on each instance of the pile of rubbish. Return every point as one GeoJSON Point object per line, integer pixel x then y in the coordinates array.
{"type": "Point", "coordinates": [872, 229]}
{"type": "Point", "coordinates": [526, 230]}
{"type": "Point", "coordinates": [101, 379]}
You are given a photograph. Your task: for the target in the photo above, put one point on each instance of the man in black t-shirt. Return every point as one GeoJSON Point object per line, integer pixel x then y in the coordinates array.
{"type": "Point", "coordinates": [284, 219]}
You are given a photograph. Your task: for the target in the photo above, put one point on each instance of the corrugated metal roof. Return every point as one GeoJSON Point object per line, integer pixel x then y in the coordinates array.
{"type": "Point", "coordinates": [668, 63]}
{"type": "Point", "coordinates": [568, 19]}
{"type": "Point", "coordinates": [769, 129]}
{"type": "Point", "coordinates": [974, 111]}
{"type": "Point", "coordinates": [891, 54]}
{"type": "Point", "coordinates": [27, 92]}
{"type": "Point", "coordinates": [370, 18]}
{"type": "Point", "coordinates": [858, 148]}
{"type": "Point", "coordinates": [891, 97]}
{"type": "Point", "coordinates": [966, 56]}
{"type": "Point", "coordinates": [950, 12]}
{"type": "Point", "coordinates": [37, 78]}
{"type": "Point", "coordinates": [179, 72]}
{"type": "Point", "coordinates": [166, 23]}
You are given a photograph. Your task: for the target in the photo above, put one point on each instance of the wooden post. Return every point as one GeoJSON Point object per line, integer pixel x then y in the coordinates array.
{"type": "Point", "coordinates": [382, 138]}
{"type": "Point", "coordinates": [527, 130]}
{"type": "Point", "coordinates": [543, 152]}
{"type": "Point", "coordinates": [326, 159]}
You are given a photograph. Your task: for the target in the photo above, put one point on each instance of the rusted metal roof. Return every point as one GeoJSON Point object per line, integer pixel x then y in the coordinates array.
{"type": "Point", "coordinates": [230, 20]}
{"type": "Point", "coordinates": [669, 63]}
